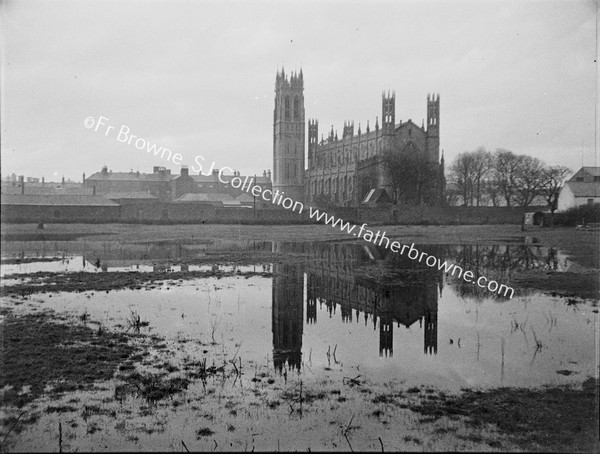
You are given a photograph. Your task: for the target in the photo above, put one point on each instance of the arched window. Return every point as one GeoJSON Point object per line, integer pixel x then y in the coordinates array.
{"type": "Point", "coordinates": [287, 108]}
{"type": "Point", "coordinates": [296, 108]}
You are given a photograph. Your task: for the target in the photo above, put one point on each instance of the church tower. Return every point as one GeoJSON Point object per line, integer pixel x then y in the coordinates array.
{"type": "Point", "coordinates": [288, 136]}
{"type": "Point", "coordinates": [388, 112]}
{"type": "Point", "coordinates": [433, 128]}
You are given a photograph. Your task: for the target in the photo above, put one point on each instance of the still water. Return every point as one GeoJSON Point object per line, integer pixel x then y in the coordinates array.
{"type": "Point", "coordinates": [355, 309]}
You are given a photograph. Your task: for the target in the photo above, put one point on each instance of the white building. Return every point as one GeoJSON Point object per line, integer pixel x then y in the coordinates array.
{"type": "Point", "coordinates": [582, 189]}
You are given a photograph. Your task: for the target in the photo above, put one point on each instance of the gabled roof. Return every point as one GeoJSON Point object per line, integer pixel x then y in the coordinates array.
{"type": "Point", "coordinates": [244, 197]}
{"type": "Point", "coordinates": [409, 122]}
{"type": "Point", "coordinates": [57, 200]}
{"type": "Point", "coordinates": [583, 189]}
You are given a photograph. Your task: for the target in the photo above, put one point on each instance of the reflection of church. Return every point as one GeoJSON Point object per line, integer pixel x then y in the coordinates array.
{"type": "Point", "coordinates": [345, 275]}
{"type": "Point", "coordinates": [287, 315]}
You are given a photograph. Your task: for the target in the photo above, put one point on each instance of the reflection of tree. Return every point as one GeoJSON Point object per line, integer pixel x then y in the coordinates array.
{"type": "Point", "coordinates": [497, 262]}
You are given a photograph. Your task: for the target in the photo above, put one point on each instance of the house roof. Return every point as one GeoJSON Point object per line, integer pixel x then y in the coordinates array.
{"type": "Point", "coordinates": [586, 171]}
{"type": "Point", "coordinates": [594, 171]}
{"type": "Point", "coordinates": [205, 197]}
{"type": "Point", "coordinates": [129, 195]}
{"type": "Point", "coordinates": [47, 189]}
{"type": "Point", "coordinates": [190, 197]}
{"type": "Point", "coordinates": [131, 176]}
{"type": "Point", "coordinates": [231, 203]}
{"type": "Point", "coordinates": [200, 178]}
{"type": "Point", "coordinates": [215, 178]}
{"type": "Point", "coordinates": [245, 197]}
{"type": "Point", "coordinates": [56, 200]}
{"type": "Point", "coordinates": [583, 189]}
{"type": "Point", "coordinates": [376, 196]}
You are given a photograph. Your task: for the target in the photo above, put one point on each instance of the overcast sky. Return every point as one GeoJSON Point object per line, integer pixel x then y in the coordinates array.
{"type": "Point", "coordinates": [197, 77]}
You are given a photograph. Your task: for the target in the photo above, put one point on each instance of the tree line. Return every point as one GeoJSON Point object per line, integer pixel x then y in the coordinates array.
{"type": "Point", "coordinates": [482, 177]}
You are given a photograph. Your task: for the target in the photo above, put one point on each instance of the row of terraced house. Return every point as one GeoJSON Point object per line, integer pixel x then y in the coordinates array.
{"type": "Point", "coordinates": [135, 196]}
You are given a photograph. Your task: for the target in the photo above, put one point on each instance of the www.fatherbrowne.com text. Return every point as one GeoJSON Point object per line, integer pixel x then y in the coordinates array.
{"type": "Point", "coordinates": [278, 198]}
{"type": "Point", "coordinates": [379, 238]}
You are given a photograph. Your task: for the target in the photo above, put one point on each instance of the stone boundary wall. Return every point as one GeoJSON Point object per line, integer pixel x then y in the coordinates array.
{"type": "Point", "coordinates": [194, 213]}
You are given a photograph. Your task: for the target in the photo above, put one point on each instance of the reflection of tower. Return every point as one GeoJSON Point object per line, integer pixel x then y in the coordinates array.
{"type": "Point", "coordinates": [287, 315]}
{"type": "Point", "coordinates": [386, 335]}
{"type": "Point", "coordinates": [431, 332]}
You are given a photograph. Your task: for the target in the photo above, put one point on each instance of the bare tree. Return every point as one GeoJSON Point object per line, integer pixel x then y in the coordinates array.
{"type": "Point", "coordinates": [424, 176]}
{"type": "Point", "coordinates": [553, 178]}
{"type": "Point", "coordinates": [481, 168]}
{"type": "Point", "coordinates": [398, 167]}
{"type": "Point", "coordinates": [505, 169]}
{"type": "Point", "coordinates": [461, 174]}
{"type": "Point", "coordinates": [492, 191]}
{"type": "Point", "coordinates": [410, 175]}
{"type": "Point", "coordinates": [529, 179]}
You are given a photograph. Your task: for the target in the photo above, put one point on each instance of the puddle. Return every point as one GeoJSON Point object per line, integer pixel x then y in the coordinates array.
{"type": "Point", "coordinates": [78, 264]}
{"type": "Point", "coordinates": [420, 328]}
{"type": "Point", "coordinates": [495, 260]}
{"type": "Point", "coordinates": [64, 265]}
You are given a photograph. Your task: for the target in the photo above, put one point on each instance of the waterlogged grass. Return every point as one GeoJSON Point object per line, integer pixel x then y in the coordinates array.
{"type": "Point", "coordinates": [38, 352]}
{"type": "Point", "coordinates": [558, 419]}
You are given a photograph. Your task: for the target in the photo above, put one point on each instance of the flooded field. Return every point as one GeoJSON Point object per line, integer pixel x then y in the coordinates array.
{"type": "Point", "coordinates": [334, 345]}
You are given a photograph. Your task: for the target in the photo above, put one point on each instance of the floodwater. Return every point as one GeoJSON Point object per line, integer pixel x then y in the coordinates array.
{"type": "Point", "coordinates": [346, 311]}
{"type": "Point", "coordinates": [363, 310]}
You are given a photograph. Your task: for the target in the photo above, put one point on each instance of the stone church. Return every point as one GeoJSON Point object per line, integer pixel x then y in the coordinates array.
{"type": "Point", "coordinates": [350, 170]}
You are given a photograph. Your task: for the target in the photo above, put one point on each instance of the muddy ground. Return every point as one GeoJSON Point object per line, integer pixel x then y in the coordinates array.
{"type": "Point", "coordinates": [72, 383]}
